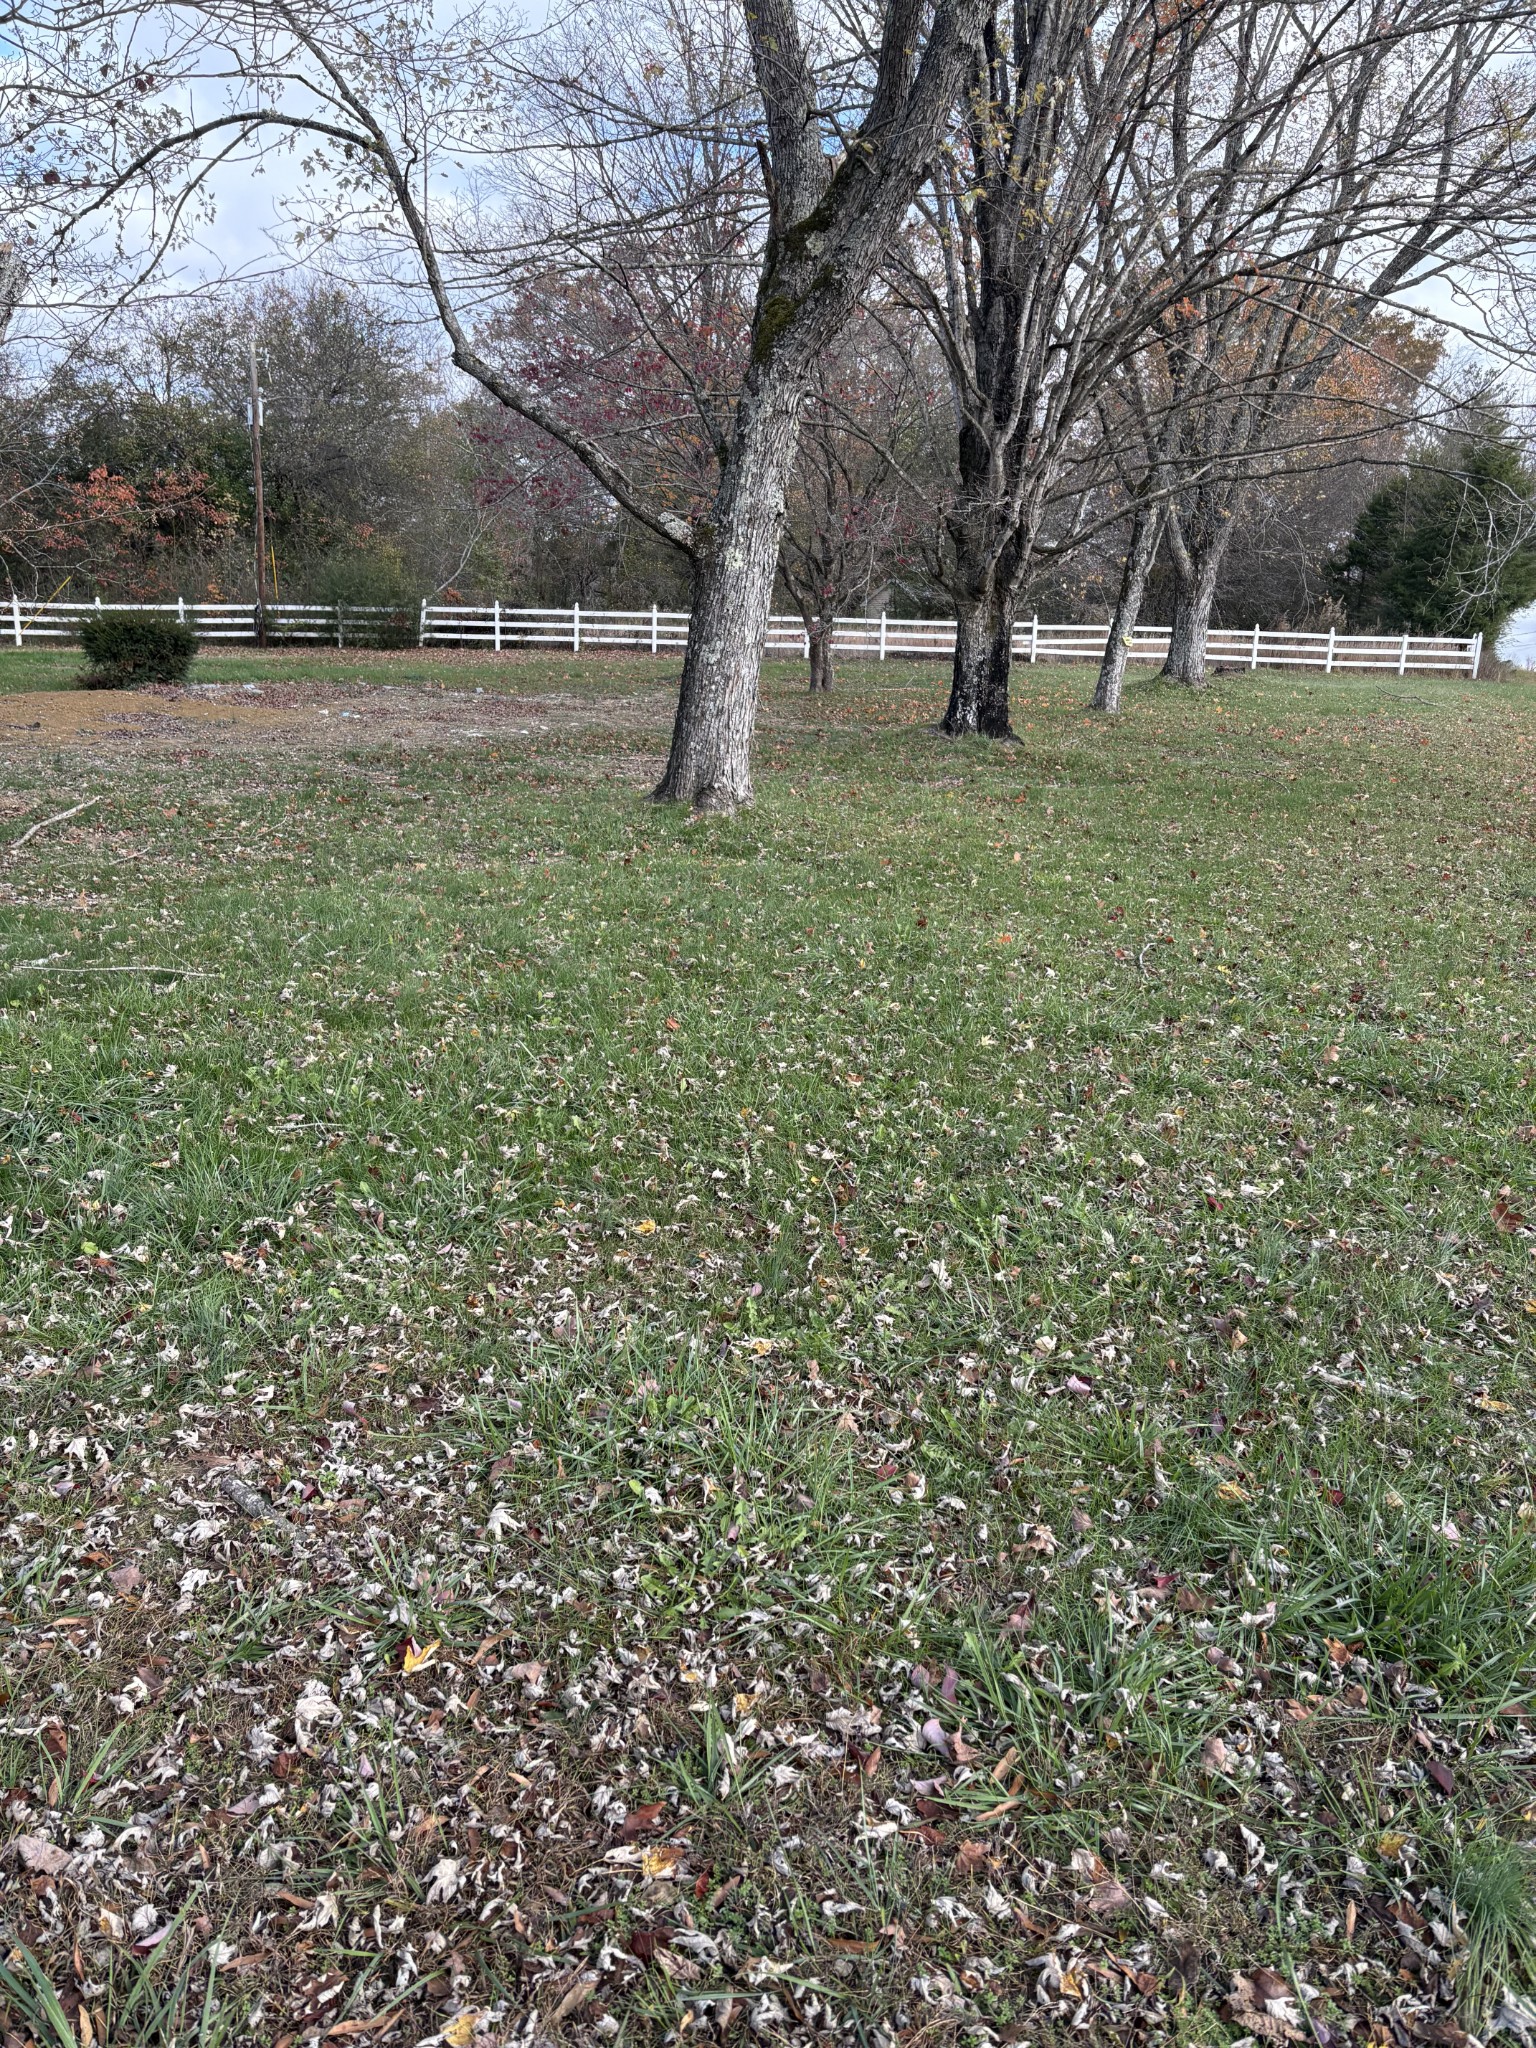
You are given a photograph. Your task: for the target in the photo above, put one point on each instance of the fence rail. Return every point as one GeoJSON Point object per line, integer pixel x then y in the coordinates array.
{"type": "Point", "coordinates": [500, 628]}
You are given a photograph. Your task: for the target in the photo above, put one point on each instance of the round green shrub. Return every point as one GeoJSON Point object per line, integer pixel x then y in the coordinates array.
{"type": "Point", "coordinates": [125, 650]}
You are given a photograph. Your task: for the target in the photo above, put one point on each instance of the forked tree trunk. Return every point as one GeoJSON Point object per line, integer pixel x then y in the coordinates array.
{"type": "Point", "coordinates": [830, 223]}
{"type": "Point", "coordinates": [1134, 572]}
{"type": "Point", "coordinates": [1194, 597]}
{"type": "Point", "coordinates": [1192, 602]}
{"type": "Point", "coordinates": [978, 690]}
{"type": "Point", "coordinates": [710, 765]}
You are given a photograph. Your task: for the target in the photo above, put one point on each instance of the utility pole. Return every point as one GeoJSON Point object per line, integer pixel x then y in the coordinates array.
{"type": "Point", "coordinates": [261, 509]}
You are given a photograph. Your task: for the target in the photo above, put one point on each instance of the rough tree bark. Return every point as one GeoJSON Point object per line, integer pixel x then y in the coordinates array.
{"type": "Point", "coordinates": [736, 555]}
{"type": "Point", "coordinates": [978, 690]}
{"type": "Point", "coordinates": [1196, 574]}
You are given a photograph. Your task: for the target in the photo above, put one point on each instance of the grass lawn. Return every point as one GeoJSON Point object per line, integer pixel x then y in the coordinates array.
{"type": "Point", "coordinates": [908, 1416]}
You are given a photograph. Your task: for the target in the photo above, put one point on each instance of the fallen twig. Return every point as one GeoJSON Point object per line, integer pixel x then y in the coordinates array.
{"type": "Point", "coordinates": [127, 967]}
{"type": "Point", "coordinates": [246, 1499]}
{"type": "Point", "coordinates": [57, 819]}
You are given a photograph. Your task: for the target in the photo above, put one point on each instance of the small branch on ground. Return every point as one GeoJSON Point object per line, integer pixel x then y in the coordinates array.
{"type": "Point", "coordinates": [58, 818]}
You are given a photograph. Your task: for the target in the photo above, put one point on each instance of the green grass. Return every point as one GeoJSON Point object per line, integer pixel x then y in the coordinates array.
{"type": "Point", "coordinates": [1024, 1242]}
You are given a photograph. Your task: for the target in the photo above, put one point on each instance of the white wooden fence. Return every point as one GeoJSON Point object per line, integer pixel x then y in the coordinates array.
{"type": "Point", "coordinates": [499, 627]}
{"type": "Point", "coordinates": [328, 623]}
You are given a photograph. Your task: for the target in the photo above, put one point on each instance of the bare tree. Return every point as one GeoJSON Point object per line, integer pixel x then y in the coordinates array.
{"type": "Point", "coordinates": [1019, 276]}
{"type": "Point", "coordinates": [387, 101]}
{"type": "Point", "coordinates": [1408, 157]}
{"type": "Point", "coordinates": [850, 515]}
{"type": "Point", "coordinates": [1114, 174]}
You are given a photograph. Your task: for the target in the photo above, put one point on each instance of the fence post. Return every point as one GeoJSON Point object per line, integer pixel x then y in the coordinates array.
{"type": "Point", "coordinates": [882, 636]}
{"type": "Point", "coordinates": [1034, 636]}
{"type": "Point", "coordinates": [16, 617]}
{"type": "Point", "coordinates": [1477, 654]}
{"type": "Point", "coordinates": [338, 624]}
{"type": "Point", "coordinates": [1328, 664]}
{"type": "Point", "coordinates": [655, 630]}
{"type": "Point", "coordinates": [181, 611]}
{"type": "Point", "coordinates": [496, 627]}
{"type": "Point", "coordinates": [421, 625]}
{"type": "Point", "coordinates": [575, 629]}
{"type": "Point", "coordinates": [1402, 657]}
{"type": "Point", "coordinates": [1254, 658]}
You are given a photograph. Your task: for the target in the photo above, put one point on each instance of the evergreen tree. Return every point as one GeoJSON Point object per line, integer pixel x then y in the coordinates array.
{"type": "Point", "coordinates": [1450, 546]}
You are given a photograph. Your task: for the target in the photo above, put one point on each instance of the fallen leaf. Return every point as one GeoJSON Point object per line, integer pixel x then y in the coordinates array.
{"type": "Point", "coordinates": [935, 1737]}
{"type": "Point", "coordinates": [1109, 1897]}
{"type": "Point", "coordinates": [972, 1857]}
{"type": "Point", "coordinates": [416, 1657]}
{"type": "Point", "coordinates": [1213, 1754]}
{"type": "Point", "coordinates": [314, 1710]}
{"type": "Point", "coordinates": [44, 1857]}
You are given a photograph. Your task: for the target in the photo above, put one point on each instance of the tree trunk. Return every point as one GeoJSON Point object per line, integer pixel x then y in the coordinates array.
{"type": "Point", "coordinates": [973, 643]}
{"type": "Point", "coordinates": [993, 721]}
{"type": "Point", "coordinates": [710, 765]}
{"type": "Point", "coordinates": [1194, 596]}
{"type": "Point", "coordinates": [978, 690]}
{"type": "Point", "coordinates": [819, 635]}
{"type": "Point", "coordinates": [1134, 572]}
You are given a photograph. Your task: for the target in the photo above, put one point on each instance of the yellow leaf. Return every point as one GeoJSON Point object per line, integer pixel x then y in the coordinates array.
{"type": "Point", "coordinates": [645, 1227]}
{"type": "Point", "coordinates": [661, 1860]}
{"type": "Point", "coordinates": [1230, 1490]}
{"type": "Point", "coordinates": [1391, 1845]}
{"type": "Point", "coordinates": [460, 2030]}
{"type": "Point", "coordinates": [417, 1659]}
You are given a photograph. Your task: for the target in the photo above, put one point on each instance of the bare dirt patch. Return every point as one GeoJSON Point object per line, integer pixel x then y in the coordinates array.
{"type": "Point", "coordinates": [298, 719]}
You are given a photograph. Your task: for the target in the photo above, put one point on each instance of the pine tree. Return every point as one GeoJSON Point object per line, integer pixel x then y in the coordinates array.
{"type": "Point", "coordinates": [1450, 546]}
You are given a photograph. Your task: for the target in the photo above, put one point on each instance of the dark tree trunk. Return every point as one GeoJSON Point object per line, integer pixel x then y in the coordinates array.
{"type": "Point", "coordinates": [710, 765]}
{"type": "Point", "coordinates": [993, 720]}
{"type": "Point", "coordinates": [1134, 572]}
{"type": "Point", "coordinates": [818, 634]}
{"type": "Point", "coordinates": [968, 679]}
{"type": "Point", "coordinates": [978, 689]}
